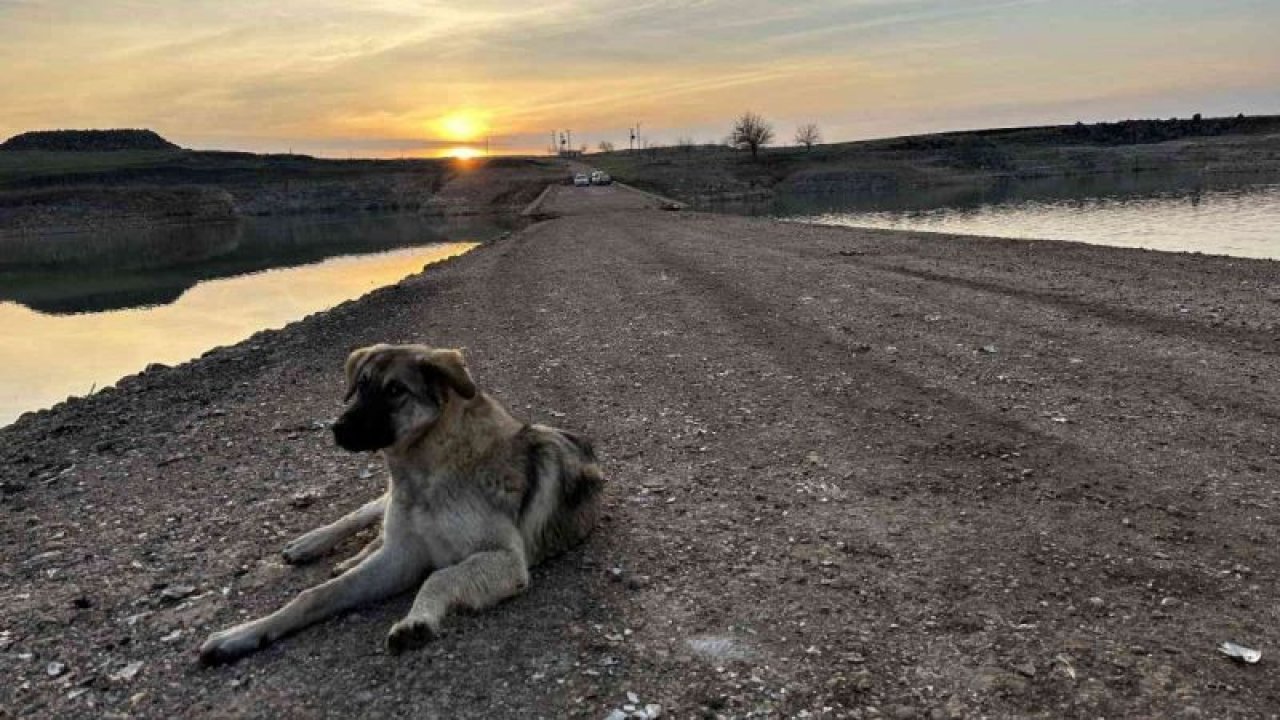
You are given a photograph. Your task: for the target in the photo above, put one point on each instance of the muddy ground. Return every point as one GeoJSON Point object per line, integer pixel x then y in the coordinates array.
{"type": "Point", "coordinates": [853, 474]}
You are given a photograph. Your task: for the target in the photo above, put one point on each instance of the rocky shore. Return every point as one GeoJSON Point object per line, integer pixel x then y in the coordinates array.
{"type": "Point", "coordinates": [110, 193]}
{"type": "Point", "coordinates": [857, 474]}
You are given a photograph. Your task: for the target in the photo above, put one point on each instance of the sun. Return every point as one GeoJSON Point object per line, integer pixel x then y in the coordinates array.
{"type": "Point", "coordinates": [462, 153]}
{"type": "Point", "coordinates": [463, 125]}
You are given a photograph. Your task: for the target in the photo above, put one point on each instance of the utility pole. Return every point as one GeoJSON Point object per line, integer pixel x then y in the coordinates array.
{"type": "Point", "coordinates": [570, 146]}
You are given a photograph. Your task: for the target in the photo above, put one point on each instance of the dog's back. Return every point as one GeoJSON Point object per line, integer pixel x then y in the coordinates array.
{"type": "Point", "coordinates": [563, 483]}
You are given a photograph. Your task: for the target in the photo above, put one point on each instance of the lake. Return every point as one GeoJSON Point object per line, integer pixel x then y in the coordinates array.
{"type": "Point", "coordinates": [116, 303]}
{"type": "Point", "coordinates": [1234, 216]}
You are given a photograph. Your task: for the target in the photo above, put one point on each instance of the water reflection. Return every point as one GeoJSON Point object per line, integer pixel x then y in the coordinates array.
{"type": "Point", "coordinates": [46, 358]}
{"type": "Point", "coordinates": [1161, 212]}
{"type": "Point", "coordinates": [73, 273]}
{"type": "Point", "coordinates": [118, 302]}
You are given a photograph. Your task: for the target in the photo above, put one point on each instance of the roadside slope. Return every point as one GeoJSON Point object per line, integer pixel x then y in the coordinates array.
{"type": "Point", "coordinates": [848, 469]}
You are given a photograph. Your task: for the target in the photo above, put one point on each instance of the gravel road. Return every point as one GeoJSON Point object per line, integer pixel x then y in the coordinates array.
{"type": "Point", "coordinates": [853, 474]}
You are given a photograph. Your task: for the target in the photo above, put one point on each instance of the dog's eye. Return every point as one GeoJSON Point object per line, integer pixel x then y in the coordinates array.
{"type": "Point", "coordinates": [395, 389]}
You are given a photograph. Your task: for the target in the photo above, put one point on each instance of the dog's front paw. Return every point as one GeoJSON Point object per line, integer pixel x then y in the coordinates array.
{"type": "Point", "coordinates": [411, 634]}
{"type": "Point", "coordinates": [307, 548]}
{"type": "Point", "coordinates": [229, 645]}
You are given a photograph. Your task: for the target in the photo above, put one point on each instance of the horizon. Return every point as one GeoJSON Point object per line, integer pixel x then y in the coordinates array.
{"type": "Point", "coordinates": [324, 79]}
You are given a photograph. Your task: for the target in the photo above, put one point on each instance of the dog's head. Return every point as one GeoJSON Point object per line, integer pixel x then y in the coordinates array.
{"type": "Point", "coordinates": [398, 392]}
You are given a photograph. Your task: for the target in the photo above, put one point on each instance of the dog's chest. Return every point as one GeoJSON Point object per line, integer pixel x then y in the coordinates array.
{"type": "Point", "coordinates": [444, 517]}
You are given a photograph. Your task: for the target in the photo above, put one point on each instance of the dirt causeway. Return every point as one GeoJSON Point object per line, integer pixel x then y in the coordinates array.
{"type": "Point", "coordinates": [852, 474]}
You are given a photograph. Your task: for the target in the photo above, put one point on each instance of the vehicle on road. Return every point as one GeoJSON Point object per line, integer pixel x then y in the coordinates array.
{"type": "Point", "coordinates": [600, 177]}
{"type": "Point", "coordinates": [581, 179]}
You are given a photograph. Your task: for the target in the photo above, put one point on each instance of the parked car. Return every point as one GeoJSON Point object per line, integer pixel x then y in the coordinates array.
{"type": "Point", "coordinates": [600, 177]}
{"type": "Point", "coordinates": [581, 179]}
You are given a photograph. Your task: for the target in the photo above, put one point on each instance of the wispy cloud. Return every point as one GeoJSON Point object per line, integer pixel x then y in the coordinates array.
{"type": "Point", "coordinates": [330, 72]}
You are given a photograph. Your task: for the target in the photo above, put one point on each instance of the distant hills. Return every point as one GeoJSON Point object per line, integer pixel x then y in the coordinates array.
{"type": "Point", "coordinates": [87, 141]}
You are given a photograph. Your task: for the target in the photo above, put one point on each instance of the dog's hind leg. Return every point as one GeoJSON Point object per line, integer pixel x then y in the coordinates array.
{"type": "Point", "coordinates": [320, 541]}
{"type": "Point", "coordinates": [482, 580]}
{"type": "Point", "coordinates": [385, 573]}
{"type": "Point", "coordinates": [369, 548]}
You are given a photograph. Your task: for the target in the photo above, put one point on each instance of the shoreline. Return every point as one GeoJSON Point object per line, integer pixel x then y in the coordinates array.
{"type": "Point", "coordinates": [840, 461]}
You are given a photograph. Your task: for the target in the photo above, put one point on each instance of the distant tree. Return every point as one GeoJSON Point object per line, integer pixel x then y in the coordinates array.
{"type": "Point", "coordinates": [750, 131]}
{"type": "Point", "coordinates": [808, 135]}
{"type": "Point", "coordinates": [605, 146]}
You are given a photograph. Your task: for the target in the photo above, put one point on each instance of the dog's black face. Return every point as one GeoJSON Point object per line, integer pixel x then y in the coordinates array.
{"type": "Point", "coordinates": [367, 423]}
{"type": "Point", "coordinates": [397, 392]}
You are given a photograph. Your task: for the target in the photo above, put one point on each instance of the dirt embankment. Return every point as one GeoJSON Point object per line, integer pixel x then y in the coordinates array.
{"type": "Point", "coordinates": [96, 209]}
{"type": "Point", "coordinates": [90, 192]}
{"type": "Point", "coordinates": [853, 474]}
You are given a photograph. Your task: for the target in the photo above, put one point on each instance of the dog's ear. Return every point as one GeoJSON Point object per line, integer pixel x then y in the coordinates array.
{"type": "Point", "coordinates": [355, 363]}
{"type": "Point", "coordinates": [450, 365]}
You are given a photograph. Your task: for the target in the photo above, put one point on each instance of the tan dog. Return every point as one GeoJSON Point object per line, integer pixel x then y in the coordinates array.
{"type": "Point", "coordinates": [475, 499]}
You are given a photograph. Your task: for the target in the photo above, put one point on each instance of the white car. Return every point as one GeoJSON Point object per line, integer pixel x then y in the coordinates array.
{"type": "Point", "coordinates": [581, 180]}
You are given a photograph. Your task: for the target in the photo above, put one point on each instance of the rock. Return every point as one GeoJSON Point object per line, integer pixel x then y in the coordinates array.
{"type": "Point", "coordinates": [862, 681]}
{"type": "Point", "coordinates": [989, 349]}
{"type": "Point", "coordinates": [54, 669]}
{"type": "Point", "coordinates": [302, 499]}
{"type": "Point", "coordinates": [1027, 668]}
{"type": "Point", "coordinates": [616, 714]}
{"type": "Point", "coordinates": [174, 593]}
{"type": "Point", "coordinates": [904, 712]}
{"type": "Point", "coordinates": [637, 582]}
{"type": "Point", "coordinates": [128, 672]}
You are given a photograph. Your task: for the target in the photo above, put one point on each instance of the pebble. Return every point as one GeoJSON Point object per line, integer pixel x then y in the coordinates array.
{"type": "Point", "coordinates": [174, 593]}
{"type": "Point", "coordinates": [128, 672]}
{"type": "Point", "coordinates": [54, 669]}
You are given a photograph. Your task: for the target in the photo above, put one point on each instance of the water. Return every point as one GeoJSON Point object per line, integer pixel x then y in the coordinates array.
{"type": "Point", "coordinates": [1239, 217]}
{"type": "Point", "coordinates": [168, 296]}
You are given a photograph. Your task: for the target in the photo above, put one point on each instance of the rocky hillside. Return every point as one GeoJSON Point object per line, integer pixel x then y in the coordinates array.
{"type": "Point", "coordinates": [87, 141]}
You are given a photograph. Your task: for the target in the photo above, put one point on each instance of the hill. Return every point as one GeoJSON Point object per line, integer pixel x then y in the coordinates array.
{"type": "Point", "coordinates": [1200, 146]}
{"type": "Point", "coordinates": [87, 141]}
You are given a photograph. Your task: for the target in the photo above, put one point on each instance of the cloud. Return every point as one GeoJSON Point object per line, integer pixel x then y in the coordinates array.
{"type": "Point", "coordinates": [323, 71]}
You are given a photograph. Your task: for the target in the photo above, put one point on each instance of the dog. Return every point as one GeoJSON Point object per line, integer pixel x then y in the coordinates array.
{"type": "Point", "coordinates": [475, 498]}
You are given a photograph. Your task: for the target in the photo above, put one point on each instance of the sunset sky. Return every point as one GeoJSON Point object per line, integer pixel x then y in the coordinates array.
{"type": "Point", "coordinates": [393, 77]}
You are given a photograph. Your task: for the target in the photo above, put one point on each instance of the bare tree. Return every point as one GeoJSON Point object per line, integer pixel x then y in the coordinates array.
{"type": "Point", "coordinates": [808, 135]}
{"type": "Point", "coordinates": [751, 131]}
{"type": "Point", "coordinates": [605, 146]}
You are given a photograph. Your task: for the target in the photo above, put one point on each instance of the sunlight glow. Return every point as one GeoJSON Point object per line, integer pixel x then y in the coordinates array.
{"type": "Point", "coordinates": [462, 153]}
{"type": "Point", "coordinates": [462, 125]}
